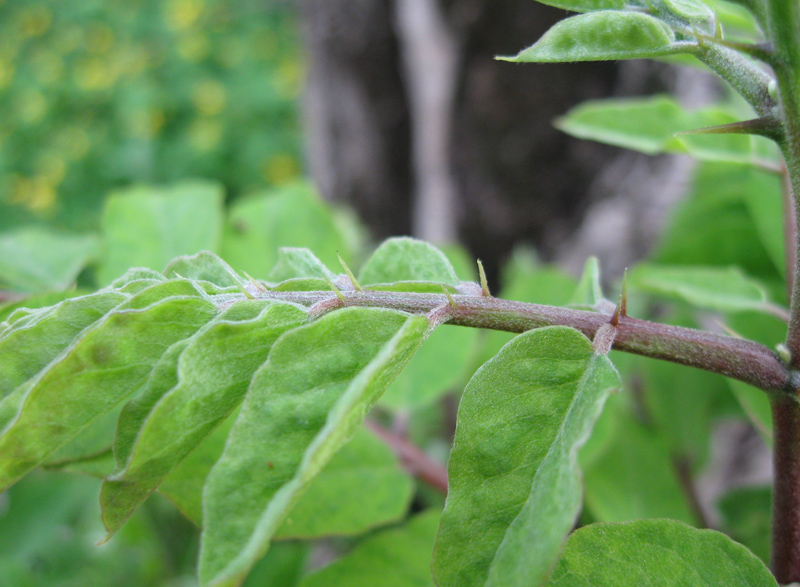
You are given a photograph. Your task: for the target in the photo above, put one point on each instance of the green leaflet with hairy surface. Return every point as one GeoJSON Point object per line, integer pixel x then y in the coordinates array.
{"type": "Point", "coordinates": [296, 262]}
{"type": "Point", "coordinates": [207, 380]}
{"type": "Point", "coordinates": [399, 557]}
{"type": "Point", "coordinates": [589, 5]}
{"type": "Point", "coordinates": [657, 553]}
{"type": "Point", "coordinates": [515, 488]}
{"type": "Point", "coordinates": [27, 349]}
{"type": "Point", "coordinates": [203, 266]}
{"type": "Point", "coordinates": [407, 259]}
{"type": "Point", "coordinates": [602, 36]}
{"type": "Point", "coordinates": [104, 366]}
{"type": "Point", "coordinates": [303, 404]}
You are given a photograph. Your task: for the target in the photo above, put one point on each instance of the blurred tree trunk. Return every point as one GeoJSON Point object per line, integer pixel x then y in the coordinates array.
{"type": "Point", "coordinates": [414, 123]}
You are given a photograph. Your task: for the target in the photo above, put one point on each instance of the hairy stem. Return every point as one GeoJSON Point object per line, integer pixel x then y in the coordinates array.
{"type": "Point", "coordinates": [740, 359]}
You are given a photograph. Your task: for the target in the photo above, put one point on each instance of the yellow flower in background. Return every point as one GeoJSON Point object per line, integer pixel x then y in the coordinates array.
{"type": "Point", "coordinates": [209, 97]}
{"type": "Point", "coordinates": [205, 134]}
{"type": "Point", "coordinates": [35, 193]}
{"type": "Point", "coordinates": [35, 21]}
{"type": "Point", "coordinates": [280, 169]}
{"type": "Point", "coordinates": [182, 14]}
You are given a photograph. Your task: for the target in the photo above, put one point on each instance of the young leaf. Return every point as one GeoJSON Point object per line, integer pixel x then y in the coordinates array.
{"type": "Point", "coordinates": [399, 557]}
{"type": "Point", "coordinates": [514, 480]}
{"type": "Point", "coordinates": [589, 293]}
{"type": "Point", "coordinates": [180, 409]}
{"type": "Point", "coordinates": [104, 366]}
{"type": "Point", "coordinates": [203, 266]}
{"type": "Point", "coordinates": [407, 259]}
{"type": "Point", "coordinates": [602, 36]}
{"type": "Point", "coordinates": [657, 553]}
{"type": "Point", "coordinates": [145, 227]}
{"type": "Point", "coordinates": [295, 262]}
{"type": "Point", "coordinates": [303, 404]}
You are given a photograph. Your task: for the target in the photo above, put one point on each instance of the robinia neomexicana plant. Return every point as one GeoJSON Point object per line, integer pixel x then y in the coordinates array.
{"type": "Point", "coordinates": [244, 401]}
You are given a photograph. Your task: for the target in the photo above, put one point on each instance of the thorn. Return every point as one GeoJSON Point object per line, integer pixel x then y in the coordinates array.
{"type": "Point", "coordinates": [484, 283]}
{"type": "Point", "coordinates": [765, 126]}
{"type": "Point", "coordinates": [259, 286]}
{"type": "Point", "coordinates": [450, 299]}
{"type": "Point", "coordinates": [349, 273]}
{"type": "Point", "coordinates": [622, 306]}
{"type": "Point", "coordinates": [335, 289]}
{"type": "Point", "coordinates": [232, 274]}
{"type": "Point", "coordinates": [730, 331]}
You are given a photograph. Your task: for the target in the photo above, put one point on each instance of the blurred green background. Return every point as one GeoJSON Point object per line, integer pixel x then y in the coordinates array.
{"type": "Point", "coordinates": [100, 94]}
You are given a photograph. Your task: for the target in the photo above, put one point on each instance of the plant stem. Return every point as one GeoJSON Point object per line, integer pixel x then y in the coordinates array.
{"type": "Point", "coordinates": [740, 359]}
{"type": "Point", "coordinates": [785, 554]}
{"type": "Point", "coordinates": [413, 458]}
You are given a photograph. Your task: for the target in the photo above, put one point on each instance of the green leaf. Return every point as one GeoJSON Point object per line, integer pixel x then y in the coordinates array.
{"type": "Point", "coordinates": [296, 263]}
{"type": "Point", "coordinates": [658, 553]}
{"type": "Point", "coordinates": [407, 259]}
{"type": "Point", "coordinates": [202, 383]}
{"type": "Point", "coordinates": [746, 517]}
{"type": "Point", "coordinates": [588, 5]}
{"type": "Point", "coordinates": [634, 478]}
{"type": "Point", "coordinates": [602, 36]}
{"type": "Point", "coordinates": [36, 260]}
{"type": "Point", "coordinates": [439, 366]}
{"type": "Point", "coordinates": [713, 288]}
{"type": "Point", "coordinates": [720, 191]}
{"type": "Point", "coordinates": [515, 486]}
{"type": "Point", "coordinates": [364, 466]}
{"type": "Point", "coordinates": [399, 557]}
{"type": "Point", "coordinates": [303, 404]}
{"type": "Point", "coordinates": [692, 11]}
{"type": "Point", "coordinates": [291, 216]}
{"type": "Point", "coordinates": [148, 227]}
{"type": "Point", "coordinates": [649, 125]}
{"type": "Point", "coordinates": [28, 347]}
{"type": "Point", "coordinates": [104, 366]}
{"type": "Point", "coordinates": [203, 266]}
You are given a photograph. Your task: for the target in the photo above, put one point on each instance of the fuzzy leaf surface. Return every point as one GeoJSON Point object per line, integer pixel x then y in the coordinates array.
{"type": "Point", "coordinates": [399, 557]}
{"type": "Point", "coordinates": [601, 36]}
{"type": "Point", "coordinates": [211, 375]}
{"type": "Point", "coordinates": [303, 405]}
{"type": "Point", "coordinates": [108, 363]}
{"type": "Point", "coordinates": [659, 553]}
{"type": "Point", "coordinates": [515, 488]}
{"type": "Point", "coordinates": [407, 259]}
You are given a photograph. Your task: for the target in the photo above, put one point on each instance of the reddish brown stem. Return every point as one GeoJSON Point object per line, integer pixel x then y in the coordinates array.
{"type": "Point", "coordinates": [414, 460]}
{"type": "Point", "coordinates": [744, 360]}
{"type": "Point", "coordinates": [786, 490]}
